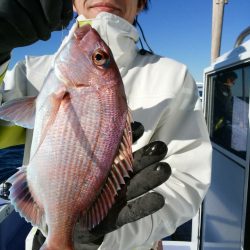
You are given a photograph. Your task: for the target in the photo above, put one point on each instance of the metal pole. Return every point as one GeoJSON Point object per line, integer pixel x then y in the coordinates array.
{"type": "Point", "coordinates": [217, 23]}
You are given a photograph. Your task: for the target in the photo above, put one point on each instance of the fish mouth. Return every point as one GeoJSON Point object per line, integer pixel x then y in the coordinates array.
{"type": "Point", "coordinates": [81, 32]}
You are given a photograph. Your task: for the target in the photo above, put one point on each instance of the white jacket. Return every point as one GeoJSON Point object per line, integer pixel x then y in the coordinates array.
{"type": "Point", "coordinates": [163, 97]}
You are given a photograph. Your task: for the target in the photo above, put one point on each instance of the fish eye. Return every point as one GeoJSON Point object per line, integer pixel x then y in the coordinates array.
{"type": "Point", "coordinates": [100, 58]}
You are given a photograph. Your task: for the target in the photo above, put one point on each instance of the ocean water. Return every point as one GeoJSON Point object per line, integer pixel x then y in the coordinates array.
{"type": "Point", "coordinates": [10, 159]}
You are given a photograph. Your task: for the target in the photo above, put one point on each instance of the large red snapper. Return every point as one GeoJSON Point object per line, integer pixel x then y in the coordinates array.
{"type": "Point", "coordinates": [81, 148]}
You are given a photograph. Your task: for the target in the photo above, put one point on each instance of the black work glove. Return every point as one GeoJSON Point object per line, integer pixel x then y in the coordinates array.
{"type": "Point", "coordinates": [23, 22]}
{"type": "Point", "coordinates": [148, 173]}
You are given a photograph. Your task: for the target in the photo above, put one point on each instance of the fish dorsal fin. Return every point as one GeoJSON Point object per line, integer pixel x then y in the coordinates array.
{"type": "Point", "coordinates": [122, 165]}
{"type": "Point", "coordinates": [22, 199]}
{"type": "Point", "coordinates": [20, 111]}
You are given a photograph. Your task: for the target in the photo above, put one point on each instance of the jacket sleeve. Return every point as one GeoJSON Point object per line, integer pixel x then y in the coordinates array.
{"type": "Point", "coordinates": [182, 127]}
{"type": "Point", "coordinates": [3, 69]}
{"type": "Point", "coordinates": [14, 82]}
{"type": "Point", "coordinates": [12, 85]}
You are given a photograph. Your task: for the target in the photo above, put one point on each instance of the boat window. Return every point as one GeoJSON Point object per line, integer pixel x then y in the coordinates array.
{"type": "Point", "coordinates": [230, 109]}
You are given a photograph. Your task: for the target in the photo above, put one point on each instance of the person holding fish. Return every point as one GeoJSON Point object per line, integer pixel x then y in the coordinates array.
{"type": "Point", "coordinates": [80, 183]}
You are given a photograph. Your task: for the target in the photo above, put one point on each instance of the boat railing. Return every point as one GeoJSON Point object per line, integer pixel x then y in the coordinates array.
{"type": "Point", "coordinates": [242, 36]}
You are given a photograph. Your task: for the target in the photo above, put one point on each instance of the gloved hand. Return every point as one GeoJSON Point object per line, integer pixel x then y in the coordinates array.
{"type": "Point", "coordinates": [23, 22]}
{"type": "Point", "coordinates": [148, 173]}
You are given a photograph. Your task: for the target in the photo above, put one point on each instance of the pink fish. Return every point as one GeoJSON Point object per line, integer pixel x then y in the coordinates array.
{"type": "Point", "coordinates": [81, 148]}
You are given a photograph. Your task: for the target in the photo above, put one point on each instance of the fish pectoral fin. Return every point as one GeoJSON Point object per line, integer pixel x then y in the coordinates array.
{"type": "Point", "coordinates": [123, 164]}
{"type": "Point", "coordinates": [22, 199]}
{"type": "Point", "coordinates": [20, 111]}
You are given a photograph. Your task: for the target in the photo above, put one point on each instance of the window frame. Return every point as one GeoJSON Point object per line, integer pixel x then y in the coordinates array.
{"type": "Point", "coordinates": [208, 107]}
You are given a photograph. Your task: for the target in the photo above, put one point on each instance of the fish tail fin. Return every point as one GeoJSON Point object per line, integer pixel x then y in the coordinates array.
{"type": "Point", "coordinates": [22, 199]}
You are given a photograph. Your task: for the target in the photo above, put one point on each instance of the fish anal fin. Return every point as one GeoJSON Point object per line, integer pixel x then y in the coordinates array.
{"type": "Point", "coordinates": [22, 199]}
{"type": "Point", "coordinates": [20, 111]}
{"type": "Point", "coordinates": [122, 165]}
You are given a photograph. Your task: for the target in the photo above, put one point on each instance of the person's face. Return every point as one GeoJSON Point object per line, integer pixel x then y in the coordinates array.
{"type": "Point", "coordinates": [127, 9]}
{"type": "Point", "coordinates": [230, 82]}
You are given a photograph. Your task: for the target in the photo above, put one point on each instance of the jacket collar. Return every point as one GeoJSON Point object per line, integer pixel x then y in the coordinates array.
{"type": "Point", "coordinates": [119, 35]}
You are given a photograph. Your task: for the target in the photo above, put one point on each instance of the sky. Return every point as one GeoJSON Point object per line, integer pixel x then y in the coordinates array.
{"type": "Point", "coordinates": [179, 29]}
